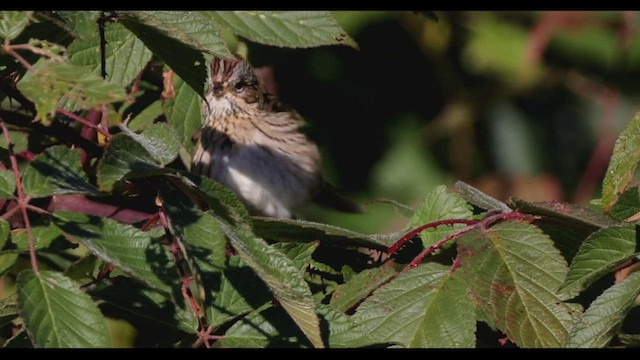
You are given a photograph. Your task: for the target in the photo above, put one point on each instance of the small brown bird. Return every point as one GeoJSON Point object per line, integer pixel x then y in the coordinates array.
{"type": "Point", "coordinates": [252, 144]}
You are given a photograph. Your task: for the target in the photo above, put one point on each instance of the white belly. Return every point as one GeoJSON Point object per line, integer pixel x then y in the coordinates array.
{"type": "Point", "coordinates": [266, 184]}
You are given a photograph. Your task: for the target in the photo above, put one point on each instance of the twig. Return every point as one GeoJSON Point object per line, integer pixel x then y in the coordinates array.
{"type": "Point", "coordinates": [408, 236]}
{"type": "Point", "coordinates": [15, 55]}
{"type": "Point", "coordinates": [84, 122]}
{"type": "Point", "coordinates": [103, 45]}
{"type": "Point", "coordinates": [186, 274]}
{"type": "Point", "coordinates": [482, 224]}
{"type": "Point", "coordinates": [23, 202]}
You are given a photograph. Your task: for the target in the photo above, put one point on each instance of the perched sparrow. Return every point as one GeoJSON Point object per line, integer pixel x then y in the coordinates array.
{"type": "Point", "coordinates": [253, 145]}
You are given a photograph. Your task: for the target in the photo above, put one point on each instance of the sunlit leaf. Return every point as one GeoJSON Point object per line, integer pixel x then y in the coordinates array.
{"type": "Point", "coordinates": [623, 163]}
{"type": "Point", "coordinates": [298, 29]}
{"type": "Point", "coordinates": [599, 254]}
{"type": "Point", "coordinates": [160, 140]}
{"type": "Point", "coordinates": [125, 54]}
{"type": "Point", "coordinates": [12, 23]}
{"type": "Point", "coordinates": [514, 272]}
{"type": "Point", "coordinates": [426, 307]}
{"type": "Point", "coordinates": [53, 84]}
{"type": "Point", "coordinates": [183, 111]}
{"type": "Point", "coordinates": [439, 205]}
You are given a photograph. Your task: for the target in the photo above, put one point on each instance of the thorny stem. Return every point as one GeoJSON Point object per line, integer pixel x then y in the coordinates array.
{"type": "Point", "coordinates": [150, 222]}
{"type": "Point", "coordinates": [84, 122]}
{"type": "Point", "coordinates": [203, 328]}
{"type": "Point", "coordinates": [23, 202]}
{"type": "Point", "coordinates": [472, 225]}
{"type": "Point", "coordinates": [15, 55]}
{"type": "Point", "coordinates": [421, 228]}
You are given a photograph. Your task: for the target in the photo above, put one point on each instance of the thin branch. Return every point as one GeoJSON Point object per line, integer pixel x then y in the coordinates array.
{"type": "Point", "coordinates": [408, 236]}
{"type": "Point", "coordinates": [103, 45]}
{"type": "Point", "coordinates": [482, 224]}
{"type": "Point", "coordinates": [23, 202]}
{"type": "Point", "coordinates": [84, 122]}
{"type": "Point", "coordinates": [186, 274]}
{"type": "Point", "coordinates": [15, 55]}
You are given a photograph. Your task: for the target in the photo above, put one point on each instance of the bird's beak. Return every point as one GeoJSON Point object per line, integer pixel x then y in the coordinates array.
{"type": "Point", "coordinates": [217, 89]}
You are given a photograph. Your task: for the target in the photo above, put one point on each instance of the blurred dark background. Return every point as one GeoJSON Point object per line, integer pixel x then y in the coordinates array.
{"type": "Point", "coordinates": [524, 104]}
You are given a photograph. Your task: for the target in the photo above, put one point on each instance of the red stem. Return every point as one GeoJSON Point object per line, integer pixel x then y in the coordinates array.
{"type": "Point", "coordinates": [186, 280]}
{"type": "Point", "coordinates": [421, 228]}
{"type": "Point", "coordinates": [15, 55]}
{"type": "Point", "coordinates": [472, 225]}
{"type": "Point", "coordinates": [151, 221]}
{"type": "Point", "coordinates": [84, 122]}
{"type": "Point", "coordinates": [23, 202]}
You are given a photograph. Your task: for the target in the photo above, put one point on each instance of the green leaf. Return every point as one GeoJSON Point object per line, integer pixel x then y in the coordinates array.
{"type": "Point", "coordinates": [630, 340]}
{"type": "Point", "coordinates": [189, 63]}
{"type": "Point", "coordinates": [57, 170]}
{"type": "Point", "coordinates": [567, 224]}
{"type": "Point", "coordinates": [201, 234]}
{"type": "Point", "coordinates": [281, 276]}
{"type": "Point", "coordinates": [125, 158]}
{"type": "Point", "coordinates": [268, 327]}
{"type": "Point", "coordinates": [622, 167]}
{"type": "Point", "coordinates": [8, 309]}
{"type": "Point", "coordinates": [160, 140]}
{"type": "Point", "coordinates": [81, 24]}
{"type": "Point", "coordinates": [142, 302]}
{"type": "Point", "coordinates": [146, 117]}
{"type": "Point", "coordinates": [581, 216]}
{"type": "Point", "coordinates": [603, 251]}
{"type": "Point", "coordinates": [425, 307]}
{"type": "Point", "coordinates": [300, 254]}
{"type": "Point", "coordinates": [360, 286]}
{"type": "Point", "coordinates": [19, 140]}
{"type": "Point", "coordinates": [7, 184]}
{"type": "Point", "coordinates": [52, 85]}
{"type": "Point", "coordinates": [240, 292]}
{"type": "Point", "coordinates": [44, 234]}
{"type": "Point", "coordinates": [628, 205]}
{"type": "Point", "coordinates": [128, 248]}
{"type": "Point", "coordinates": [12, 23]}
{"type": "Point", "coordinates": [514, 272]}
{"type": "Point", "coordinates": [183, 111]}
{"type": "Point", "coordinates": [603, 319]}
{"type": "Point", "coordinates": [439, 205]}
{"type": "Point", "coordinates": [6, 262]}
{"type": "Point", "coordinates": [57, 313]}
{"type": "Point", "coordinates": [4, 232]}
{"type": "Point", "coordinates": [343, 332]}
{"type": "Point", "coordinates": [306, 231]}
{"type": "Point", "coordinates": [264, 327]}
{"type": "Point", "coordinates": [191, 28]}
{"type": "Point", "coordinates": [126, 56]}
{"type": "Point", "coordinates": [480, 199]}
{"type": "Point", "coordinates": [222, 201]}
{"type": "Point", "coordinates": [296, 29]}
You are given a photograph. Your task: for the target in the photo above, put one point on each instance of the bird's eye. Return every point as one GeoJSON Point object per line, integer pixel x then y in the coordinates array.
{"type": "Point", "coordinates": [240, 86]}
